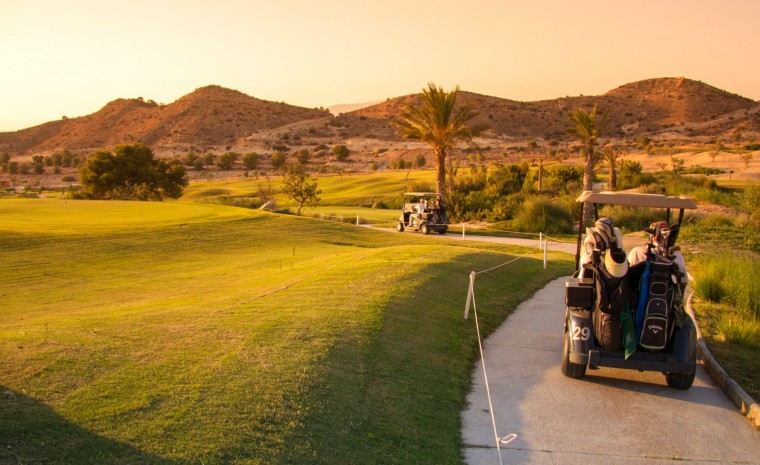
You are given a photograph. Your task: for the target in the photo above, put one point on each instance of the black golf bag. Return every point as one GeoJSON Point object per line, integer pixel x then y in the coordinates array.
{"type": "Point", "coordinates": [611, 295]}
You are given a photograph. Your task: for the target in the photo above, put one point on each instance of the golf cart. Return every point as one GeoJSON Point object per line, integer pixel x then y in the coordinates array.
{"type": "Point", "coordinates": [629, 314]}
{"type": "Point", "coordinates": [431, 218]}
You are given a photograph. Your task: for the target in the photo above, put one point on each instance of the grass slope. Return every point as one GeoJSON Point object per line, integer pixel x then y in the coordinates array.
{"type": "Point", "coordinates": [185, 334]}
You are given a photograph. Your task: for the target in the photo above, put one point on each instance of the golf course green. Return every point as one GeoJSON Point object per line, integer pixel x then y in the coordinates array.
{"type": "Point", "coordinates": [189, 333]}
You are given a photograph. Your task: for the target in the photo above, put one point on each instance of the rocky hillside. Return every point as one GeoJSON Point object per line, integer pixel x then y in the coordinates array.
{"type": "Point", "coordinates": [216, 119]}
{"type": "Point", "coordinates": [649, 107]}
{"type": "Point", "coordinates": [209, 117]}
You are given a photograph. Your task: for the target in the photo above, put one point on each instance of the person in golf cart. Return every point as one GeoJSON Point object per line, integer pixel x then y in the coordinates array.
{"type": "Point", "coordinates": [662, 239]}
{"type": "Point", "coordinates": [421, 207]}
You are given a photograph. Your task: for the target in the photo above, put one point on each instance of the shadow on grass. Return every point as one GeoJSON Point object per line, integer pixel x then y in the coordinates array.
{"type": "Point", "coordinates": [33, 433]}
{"type": "Point", "coordinates": [398, 399]}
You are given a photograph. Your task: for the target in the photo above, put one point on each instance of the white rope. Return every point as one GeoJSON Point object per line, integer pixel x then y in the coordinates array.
{"type": "Point", "coordinates": [510, 437]}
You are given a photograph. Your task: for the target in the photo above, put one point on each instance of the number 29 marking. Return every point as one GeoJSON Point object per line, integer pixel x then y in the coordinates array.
{"type": "Point", "coordinates": [580, 333]}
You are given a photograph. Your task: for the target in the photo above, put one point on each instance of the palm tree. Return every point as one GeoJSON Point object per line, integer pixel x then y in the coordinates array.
{"type": "Point", "coordinates": [588, 127]}
{"type": "Point", "coordinates": [436, 123]}
{"type": "Point", "coordinates": [611, 157]}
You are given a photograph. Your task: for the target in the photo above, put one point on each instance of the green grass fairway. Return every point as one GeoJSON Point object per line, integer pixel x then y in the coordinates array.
{"type": "Point", "coordinates": [346, 190]}
{"type": "Point", "coordinates": [179, 333]}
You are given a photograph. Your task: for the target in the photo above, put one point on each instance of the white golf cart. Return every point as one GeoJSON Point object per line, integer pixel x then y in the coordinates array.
{"type": "Point", "coordinates": [424, 212]}
{"type": "Point", "coordinates": [652, 305]}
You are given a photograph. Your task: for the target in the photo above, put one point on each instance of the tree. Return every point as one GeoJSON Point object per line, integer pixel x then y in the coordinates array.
{"type": "Point", "coordinates": [130, 173]}
{"type": "Point", "coordinates": [611, 157]}
{"type": "Point", "coordinates": [420, 160]}
{"type": "Point", "coordinates": [303, 156]}
{"type": "Point", "coordinates": [746, 158]}
{"type": "Point", "coordinates": [677, 164]}
{"type": "Point", "coordinates": [209, 159]}
{"type": "Point", "coordinates": [718, 147]}
{"type": "Point", "coordinates": [227, 160]}
{"type": "Point", "coordinates": [251, 160]}
{"type": "Point", "coordinates": [436, 123]}
{"type": "Point", "coordinates": [298, 186]}
{"type": "Point", "coordinates": [189, 158]}
{"type": "Point", "coordinates": [278, 159]}
{"type": "Point", "coordinates": [588, 127]}
{"type": "Point", "coordinates": [341, 152]}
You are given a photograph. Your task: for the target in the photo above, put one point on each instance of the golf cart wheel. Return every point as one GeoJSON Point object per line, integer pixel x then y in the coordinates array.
{"type": "Point", "coordinates": [682, 381]}
{"type": "Point", "coordinates": [570, 369]}
{"type": "Point", "coordinates": [425, 229]}
{"type": "Point", "coordinates": [441, 231]}
{"type": "Point", "coordinates": [400, 227]}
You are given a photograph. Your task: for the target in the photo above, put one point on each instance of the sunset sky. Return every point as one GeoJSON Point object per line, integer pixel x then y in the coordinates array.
{"type": "Point", "coordinates": [72, 57]}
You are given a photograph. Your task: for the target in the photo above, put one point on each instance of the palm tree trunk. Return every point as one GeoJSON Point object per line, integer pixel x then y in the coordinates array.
{"type": "Point", "coordinates": [613, 179]}
{"type": "Point", "coordinates": [540, 174]}
{"type": "Point", "coordinates": [441, 173]}
{"type": "Point", "coordinates": [588, 183]}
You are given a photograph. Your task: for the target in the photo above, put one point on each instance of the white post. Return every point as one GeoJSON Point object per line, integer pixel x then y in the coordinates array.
{"type": "Point", "coordinates": [469, 295]}
{"type": "Point", "coordinates": [357, 220]}
{"type": "Point", "coordinates": [540, 240]}
{"type": "Point", "coordinates": [463, 230]}
{"type": "Point", "coordinates": [545, 252]}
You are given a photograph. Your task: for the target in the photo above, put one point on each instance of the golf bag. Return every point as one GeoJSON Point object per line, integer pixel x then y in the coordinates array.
{"type": "Point", "coordinates": [611, 295]}
{"type": "Point", "coordinates": [656, 312]}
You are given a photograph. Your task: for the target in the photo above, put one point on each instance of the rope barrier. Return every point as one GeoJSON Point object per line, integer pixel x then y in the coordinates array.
{"type": "Point", "coordinates": [471, 298]}
{"type": "Point", "coordinates": [503, 440]}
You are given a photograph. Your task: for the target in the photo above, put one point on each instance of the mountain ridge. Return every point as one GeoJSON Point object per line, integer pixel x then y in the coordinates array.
{"type": "Point", "coordinates": [217, 118]}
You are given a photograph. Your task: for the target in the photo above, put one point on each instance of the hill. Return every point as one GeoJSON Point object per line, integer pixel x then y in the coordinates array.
{"type": "Point", "coordinates": [216, 119]}
{"type": "Point", "coordinates": [648, 107]}
{"type": "Point", "coordinates": [209, 116]}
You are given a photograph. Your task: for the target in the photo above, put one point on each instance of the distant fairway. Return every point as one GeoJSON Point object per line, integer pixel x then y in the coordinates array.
{"type": "Point", "coordinates": [181, 333]}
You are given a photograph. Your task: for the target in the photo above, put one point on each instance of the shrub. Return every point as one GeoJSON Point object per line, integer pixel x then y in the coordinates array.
{"type": "Point", "coordinates": [251, 160]}
{"type": "Point", "coordinates": [341, 152]}
{"type": "Point", "coordinates": [630, 219]}
{"type": "Point", "coordinates": [303, 156]}
{"type": "Point", "coordinates": [730, 278]}
{"type": "Point", "coordinates": [543, 215]}
{"type": "Point", "coordinates": [278, 159]}
{"type": "Point", "coordinates": [68, 179]}
{"type": "Point", "coordinates": [227, 160]}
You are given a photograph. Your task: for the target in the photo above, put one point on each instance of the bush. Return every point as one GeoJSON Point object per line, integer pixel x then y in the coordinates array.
{"type": "Point", "coordinates": [68, 179]}
{"type": "Point", "coordinates": [543, 215]}
{"type": "Point", "coordinates": [730, 278]}
{"type": "Point", "coordinates": [341, 152]}
{"type": "Point", "coordinates": [278, 159]}
{"type": "Point", "coordinates": [631, 219]}
{"type": "Point", "coordinates": [251, 160]}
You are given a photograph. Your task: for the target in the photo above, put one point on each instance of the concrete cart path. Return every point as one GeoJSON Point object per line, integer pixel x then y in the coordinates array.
{"type": "Point", "coordinates": [611, 416]}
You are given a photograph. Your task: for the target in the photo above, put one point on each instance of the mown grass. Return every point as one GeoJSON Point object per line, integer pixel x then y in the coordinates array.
{"type": "Point", "coordinates": [728, 310]}
{"type": "Point", "coordinates": [347, 190]}
{"type": "Point", "coordinates": [201, 334]}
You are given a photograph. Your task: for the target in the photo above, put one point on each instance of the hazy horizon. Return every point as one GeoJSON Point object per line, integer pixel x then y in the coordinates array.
{"type": "Point", "coordinates": [72, 58]}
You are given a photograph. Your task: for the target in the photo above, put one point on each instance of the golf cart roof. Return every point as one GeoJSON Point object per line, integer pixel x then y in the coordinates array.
{"type": "Point", "coordinates": [633, 199]}
{"type": "Point", "coordinates": [421, 194]}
